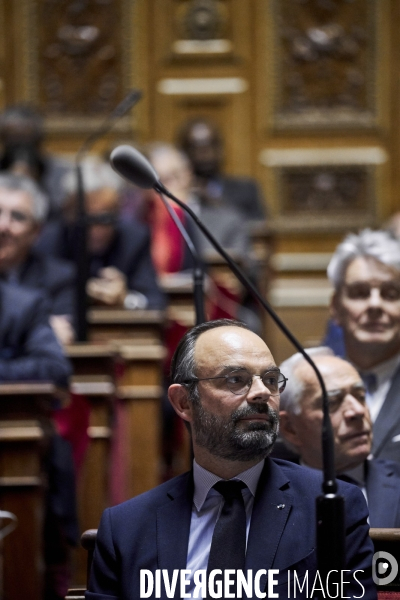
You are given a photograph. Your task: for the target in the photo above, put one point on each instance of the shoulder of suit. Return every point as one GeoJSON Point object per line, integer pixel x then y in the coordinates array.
{"type": "Point", "coordinates": [308, 480]}
{"type": "Point", "coordinates": [155, 497]}
{"type": "Point", "coordinates": [57, 268]}
{"type": "Point", "coordinates": [390, 467]}
{"type": "Point", "coordinates": [19, 299]}
{"type": "Point", "coordinates": [132, 230]}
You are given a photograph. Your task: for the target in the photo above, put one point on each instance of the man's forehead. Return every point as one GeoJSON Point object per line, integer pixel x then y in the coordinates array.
{"type": "Point", "coordinates": [369, 269]}
{"type": "Point", "coordinates": [336, 372]}
{"type": "Point", "coordinates": [15, 197]}
{"type": "Point", "coordinates": [216, 346]}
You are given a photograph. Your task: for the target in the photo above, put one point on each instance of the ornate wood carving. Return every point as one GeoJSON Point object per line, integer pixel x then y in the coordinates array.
{"type": "Point", "coordinates": [326, 63]}
{"type": "Point", "coordinates": [78, 54]}
{"type": "Point", "coordinates": [333, 196]}
{"type": "Point", "coordinates": [202, 27]}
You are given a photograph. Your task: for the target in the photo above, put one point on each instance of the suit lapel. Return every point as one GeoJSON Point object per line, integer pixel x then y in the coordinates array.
{"type": "Point", "coordinates": [173, 526]}
{"type": "Point", "coordinates": [272, 498]}
{"type": "Point", "coordinates": [388, 416]}
{"type": "Point", "coordinates": [379, 481]}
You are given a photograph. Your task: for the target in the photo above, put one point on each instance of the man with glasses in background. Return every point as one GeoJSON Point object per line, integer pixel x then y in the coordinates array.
{"type": "Point", "coordinates": [237, 510]}
{"type": "Point", "coordinates": [365, 272]}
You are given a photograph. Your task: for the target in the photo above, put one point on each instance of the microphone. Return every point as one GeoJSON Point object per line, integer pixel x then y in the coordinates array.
{"type": "Point", "coordinates": [134, 167]}
{"type": "Point", "coordinates": [121, 109]}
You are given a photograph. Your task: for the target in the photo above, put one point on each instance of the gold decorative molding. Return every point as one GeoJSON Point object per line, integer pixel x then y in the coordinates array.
{"type": "Point", "coordinates": [202, 85]}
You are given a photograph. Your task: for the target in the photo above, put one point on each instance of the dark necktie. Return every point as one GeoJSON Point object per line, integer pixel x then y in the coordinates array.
{"type": "Point", "coordinates": [228, 545]}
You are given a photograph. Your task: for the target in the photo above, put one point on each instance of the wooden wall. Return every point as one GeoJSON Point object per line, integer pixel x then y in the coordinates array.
{"type": "Point", "coordinates": [305, 92]}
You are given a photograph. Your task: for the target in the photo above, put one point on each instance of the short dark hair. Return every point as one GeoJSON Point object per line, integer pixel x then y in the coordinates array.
{"type": "Point", "coordinates": [183, 365]}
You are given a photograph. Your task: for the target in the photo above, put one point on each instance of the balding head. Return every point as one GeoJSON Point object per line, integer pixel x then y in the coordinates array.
{"type": "Point", "coordinates": [301, 422]}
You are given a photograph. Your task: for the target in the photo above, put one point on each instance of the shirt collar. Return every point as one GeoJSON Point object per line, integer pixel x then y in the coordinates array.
{"type": "Point", "coordinates": [204, 481]}
{"type": "Point", "coordinates": [385, 370]}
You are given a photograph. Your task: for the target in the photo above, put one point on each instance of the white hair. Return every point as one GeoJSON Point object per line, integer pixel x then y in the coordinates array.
{"type": "Point", "coordinates": [380, 245]}
{"type": "Point", "coordinates": [294, 391]}
{"type": "Point", "coordinates": [20, 183]}
{"type": "Point", "coordinates": [96, 175]}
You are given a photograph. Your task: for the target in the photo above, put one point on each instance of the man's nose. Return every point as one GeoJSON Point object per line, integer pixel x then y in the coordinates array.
{"type": "Point", "coordinates": [258, 390]}
{"type": "Point", "coordinates": [353, 408]}
{"type": "Point", "coordinates": [375, 298]}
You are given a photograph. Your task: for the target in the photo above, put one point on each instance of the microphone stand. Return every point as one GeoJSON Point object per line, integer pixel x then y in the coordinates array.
{"type": "Point", "coordinates": [81, 223]}
{"type": "Point", "coordinates": [198, 272]}
{"type": "Point", "coordinates": [132, 165]}
{"type": "Point", "coordinates": [329, 505]}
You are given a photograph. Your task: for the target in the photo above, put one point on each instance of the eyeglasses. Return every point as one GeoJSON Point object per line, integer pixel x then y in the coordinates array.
{"type": "Point", "coordinates": [388, 290]}
{"type": "Point", "coordinates": [239, 382]}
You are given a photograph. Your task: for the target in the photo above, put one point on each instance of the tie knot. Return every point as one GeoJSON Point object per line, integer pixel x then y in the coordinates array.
{"type": "Point", "coordinates": [230, 489]}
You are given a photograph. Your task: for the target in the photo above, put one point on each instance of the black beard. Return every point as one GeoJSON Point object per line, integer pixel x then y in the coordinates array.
{"type": "Point", "coordinates": [224, 439]}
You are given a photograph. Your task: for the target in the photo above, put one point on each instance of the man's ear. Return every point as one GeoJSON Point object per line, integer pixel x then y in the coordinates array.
{"type": "Point", "coordinates": [288, 429]}
{"type": "Point", "coordinates": [178, 395]}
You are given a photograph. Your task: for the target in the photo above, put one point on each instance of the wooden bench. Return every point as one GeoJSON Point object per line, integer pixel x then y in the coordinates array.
{"type": "Point", "coordinates": [25, 428]}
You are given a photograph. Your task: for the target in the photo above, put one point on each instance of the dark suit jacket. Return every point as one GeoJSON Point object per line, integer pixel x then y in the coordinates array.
{"type": "Point", "coordinates": [29, 349]}
{"type": "Point", "coordinates": [386, 441]}
{"type": "Point", "coordinates": [245, 195]}
{"type": "Point", "coordinates": [55, 277]}
{"type": "Point", "coordinates": [129, 252]}
{"type": "Point", "coordinates": [383, 493]}
{"type": "Point", "coordinates": [151, 532]}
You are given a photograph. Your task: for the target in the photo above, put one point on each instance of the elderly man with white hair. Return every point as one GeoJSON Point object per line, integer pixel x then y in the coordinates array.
{"type": "Point", "coordinates": [365, 272]}
{"type": "Point", "coordinates": [301, 426]}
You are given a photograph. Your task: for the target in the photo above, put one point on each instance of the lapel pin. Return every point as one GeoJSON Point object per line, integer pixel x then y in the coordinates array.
{"type": "Point", "coordinates": [280, 506]}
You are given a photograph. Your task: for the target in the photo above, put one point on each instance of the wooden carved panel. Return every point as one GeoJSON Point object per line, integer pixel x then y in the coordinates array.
{"type": "Point", "coordinates": [200, 29]}
{"type": "Point", "coordinates": [326, 54]}
{"type": "Point", "coordinates": [335, 197]}
{"type": "Point", "coordinates": [78, 58]}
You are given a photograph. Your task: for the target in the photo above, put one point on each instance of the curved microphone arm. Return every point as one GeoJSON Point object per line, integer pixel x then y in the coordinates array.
{"type": "Point", "coordinates": [132, 165]}
{"type": "Point", "coordinates": [330, 509]}
{"type": "Point", "coordinates": [330, 485]}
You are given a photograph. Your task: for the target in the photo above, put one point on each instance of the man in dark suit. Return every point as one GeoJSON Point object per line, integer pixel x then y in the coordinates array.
{"type": "Point", "coordinates": [29, 351]}
{"type": "Point", "coordinates": [226, 388]}
{"type": "Point", "coordinates": [365, 272]}
{"type": "Point", "coordinates": [121, 271]}
{"type": "Point", "coordinates": [23, 209]}
{"type": "Point", "coordinates": [201, 141]}
{"type": "Point", "coordinates": [301, 426]}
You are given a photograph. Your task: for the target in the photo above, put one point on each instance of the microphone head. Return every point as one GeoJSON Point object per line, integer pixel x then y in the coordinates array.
{"type": "Point", "coordinates": [133, 166]}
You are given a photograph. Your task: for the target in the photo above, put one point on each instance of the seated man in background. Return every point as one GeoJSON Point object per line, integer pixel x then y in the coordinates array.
{"type": "Point", "coordinates": [120, 267]}
{"type": "Point", "coordinates": [223, 221]}
{"type": "Point", "coordinates": [23, 210]}
{"type": "Point", "coordinates": [21, 135]}
{"type": "Point", "coordinates": [301, 427]}
{"type": "Point", "coordinates": [201, 141]}
{"type": "Point", "coordinates": [237, 509]}
{"type": "Point", "coordinates": [29, 351]}
{"type": "Point", "coordinates": [365, 272]}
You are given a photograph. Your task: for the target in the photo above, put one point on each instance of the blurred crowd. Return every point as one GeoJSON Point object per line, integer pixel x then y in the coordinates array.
{"type": "Point", "coordinates": [132, 244]}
